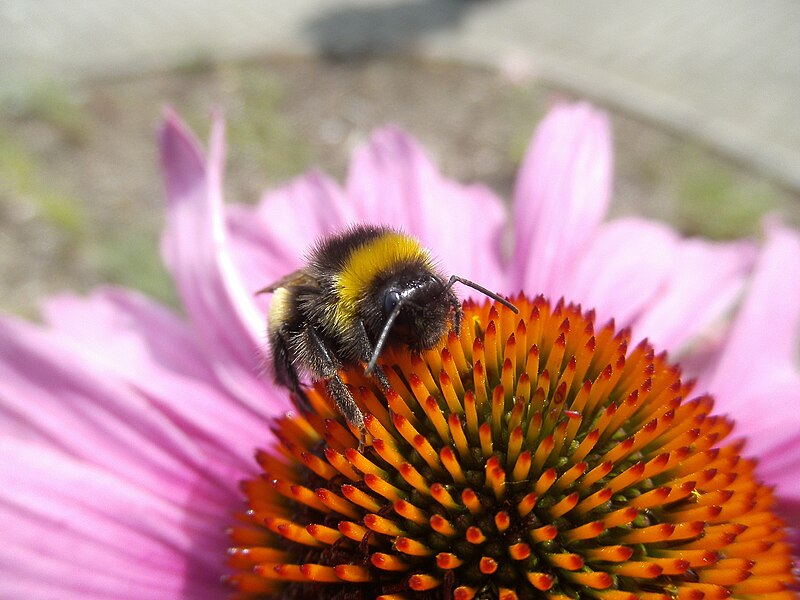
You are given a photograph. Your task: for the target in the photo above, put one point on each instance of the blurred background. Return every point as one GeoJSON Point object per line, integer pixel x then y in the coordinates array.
{"type": "Point", "coordinates": [703, 99]}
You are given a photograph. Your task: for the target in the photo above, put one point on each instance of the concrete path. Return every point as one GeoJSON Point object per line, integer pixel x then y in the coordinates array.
{"type": "Point", "coordinates": [726, 72]}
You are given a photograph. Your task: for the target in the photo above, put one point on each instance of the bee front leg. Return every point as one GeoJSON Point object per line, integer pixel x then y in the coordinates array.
{"type": "Point", "coordinates": [366, 350]}
{"type": "Point", "coordinates": [328, 369]}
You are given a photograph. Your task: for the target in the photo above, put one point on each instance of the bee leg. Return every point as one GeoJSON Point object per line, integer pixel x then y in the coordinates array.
{"type": "Point", "coordinates": [366, 351]}
{"type": "Point", "coordinates": [329, 370]}
{"type": "Point", "coordinates": [285, 372]}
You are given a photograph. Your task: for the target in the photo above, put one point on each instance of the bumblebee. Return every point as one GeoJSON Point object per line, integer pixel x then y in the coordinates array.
{"type": "Point", "coordinates": [361, 290]}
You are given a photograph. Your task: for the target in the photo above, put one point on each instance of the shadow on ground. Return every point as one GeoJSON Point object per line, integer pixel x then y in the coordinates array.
{"type": "Point", "coordinates": [354, 32]}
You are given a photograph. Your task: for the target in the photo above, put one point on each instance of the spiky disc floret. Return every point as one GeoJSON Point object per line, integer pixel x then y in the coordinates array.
{"type": "Point", "coordinates": [533, 457]}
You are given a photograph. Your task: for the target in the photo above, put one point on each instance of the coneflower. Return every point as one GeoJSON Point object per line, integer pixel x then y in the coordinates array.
{"type": "Point", "coordinates": [536, 456]}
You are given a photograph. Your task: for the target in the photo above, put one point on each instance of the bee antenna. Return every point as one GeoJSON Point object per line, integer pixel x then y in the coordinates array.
{"type": "Point", "coordinates": [373, 361]}
{"type": "Point", "coordinates": [482, 290]}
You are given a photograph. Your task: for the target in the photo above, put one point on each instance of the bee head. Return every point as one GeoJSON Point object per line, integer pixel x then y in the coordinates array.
{"type": "Point", "coordinates": [424, 307]}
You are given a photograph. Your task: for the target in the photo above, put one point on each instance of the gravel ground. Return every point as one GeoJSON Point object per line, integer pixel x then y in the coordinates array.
{"type": "Point", "coordinates": [81, 201]}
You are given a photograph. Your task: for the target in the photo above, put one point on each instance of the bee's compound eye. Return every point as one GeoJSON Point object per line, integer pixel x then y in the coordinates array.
{"type": "Point", "coordinates": [390, 300]}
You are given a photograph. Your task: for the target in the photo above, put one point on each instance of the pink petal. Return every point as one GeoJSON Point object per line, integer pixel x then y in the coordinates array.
{"type": "Point", "coordinates": [623, 270]}
{"type": "Point", "coordinates": [310, 207]}
{"type": "Point", "coordinates": [73, 530]}
{"type": "Point", "coordinates": [393, 182]}
{"type": "Point", "coordinates": [561, 195]}
{"type": "Point", "coordinates": [49, 395]}
{"type": "Point", "coordinates": [145, 345]}
{"type": "Point", "coordinates": [196, 249]}
{"type": "Point", "coordinates": [789, 510]}
{"type": "Point", "coordinates": [468, 239]}
{"type": "Point", "coordinates": [763, 339]}
{"type": "Point", "coordinates": [295, 216]}
{"type": "Point", "coordinates": [391, 179]}
{"type": "Point", "coordinates": [756, 378]}
{"type": "Point", "coordinates": [772, 428]}
{"type": "Point", "coordinates": [704, 281]}
{"type": "Point", "coordinates": [256, 261]}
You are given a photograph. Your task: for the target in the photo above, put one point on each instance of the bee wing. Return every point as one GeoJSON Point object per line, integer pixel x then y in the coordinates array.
{"type": "Point", "coordinates": [299, 277]}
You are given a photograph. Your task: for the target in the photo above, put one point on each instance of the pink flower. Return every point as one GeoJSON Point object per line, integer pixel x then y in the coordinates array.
{"type": "Point", "coordinates": [127, 427]}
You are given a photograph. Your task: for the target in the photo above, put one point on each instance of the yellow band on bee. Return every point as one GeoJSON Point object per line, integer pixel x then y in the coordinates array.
{"type": "Point", "coordinates": [368, 261]}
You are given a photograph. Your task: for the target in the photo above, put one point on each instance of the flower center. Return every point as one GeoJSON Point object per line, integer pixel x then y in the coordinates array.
{"type": "Point", "coordinates": [532, 457]}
